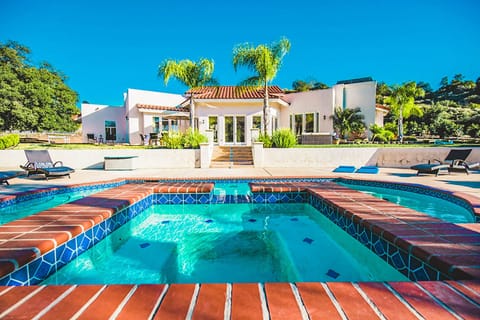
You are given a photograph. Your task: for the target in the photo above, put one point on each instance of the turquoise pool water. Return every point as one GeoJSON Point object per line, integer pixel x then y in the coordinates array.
{"type": "Point", "coordinates": [29, 207]}
{"type": "Point", "coordinates": [233, 188]}
{"type": "Point", "coordinates": [226, 243]}
{"type": "Point", "coordinates": [435, 207]}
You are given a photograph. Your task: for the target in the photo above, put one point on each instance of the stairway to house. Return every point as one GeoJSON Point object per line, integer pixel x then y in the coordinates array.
{"type": "Point", "coordinates": [230, 157]}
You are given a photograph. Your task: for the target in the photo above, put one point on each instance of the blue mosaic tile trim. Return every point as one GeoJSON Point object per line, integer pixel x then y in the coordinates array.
{"type": "Point", "coordinates": [419, 271]}
{"type": "Point", "coordinates": [408, 265]}
{"type": "Point", "coordinates": [444, 195]}
{"type": "Point", "coordinates": [230, 198]}
{"type": "Point", "coordinates": [279, 197]}
{"type": "Point", "coordinates": [19, 277]}
{"type": "Point", "coordinates": [190, 198]}
{"type": "Point", "coordinates": [181, 198]}
{"type": "Point", "coordinates": [58, 191]}
{"type": "Point", "coordinates": [42, 267]}
{"type": "Point", "coordinates": [66, 253]}
{"type": "Point", "coordinates": [216, 180]}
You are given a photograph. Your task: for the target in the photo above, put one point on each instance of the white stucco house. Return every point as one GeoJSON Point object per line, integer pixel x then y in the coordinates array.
{"type": "Point", "coordinates": [235, 115]}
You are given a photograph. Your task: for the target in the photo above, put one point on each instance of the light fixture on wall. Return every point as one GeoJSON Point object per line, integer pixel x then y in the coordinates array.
{"type": "Point", "coordinates": [324, 117]}
{"type": "Point", "coordinates": [126, 117]}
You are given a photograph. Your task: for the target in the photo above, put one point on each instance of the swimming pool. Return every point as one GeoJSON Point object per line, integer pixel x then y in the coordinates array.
{"type": "Point", "coordinates": [227, 243]}
{"type": "Point", "coordinates": [83, 225]}
{"type": "Point", "coordinates": [433, 206]}
{"type": "Point", "coordinates": [43, 202]}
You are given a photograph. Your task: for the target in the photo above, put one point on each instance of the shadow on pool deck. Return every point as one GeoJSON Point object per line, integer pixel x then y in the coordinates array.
{"type": "Point", "coordinates": [470, 184]}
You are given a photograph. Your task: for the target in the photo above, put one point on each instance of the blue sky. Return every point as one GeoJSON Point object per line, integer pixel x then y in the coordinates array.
{"type": "Point", "coordinates": [105, 47]}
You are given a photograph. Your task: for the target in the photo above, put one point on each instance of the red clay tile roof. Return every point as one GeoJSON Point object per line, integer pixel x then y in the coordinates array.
{"type": "Point", "coordinates": [154, 107]}
{"type": "Point", "coordinates": [235, 92]}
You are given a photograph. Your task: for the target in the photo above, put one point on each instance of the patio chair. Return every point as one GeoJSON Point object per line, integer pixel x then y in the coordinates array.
{"type": "Point", "coordinates": [457, 161]}
{"type": "Point", "coordinates": [91, 138]}
{"type": "Point", "coordinates": [39, 162]}
{"type": "Point", "coordinates": [454, 162]}
{"type": "Point", "coordinates": [6, 175]}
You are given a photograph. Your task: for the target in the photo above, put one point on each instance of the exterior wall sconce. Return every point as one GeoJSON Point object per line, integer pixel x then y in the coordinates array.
{"type": "Point", "coordinates": [324, 117]}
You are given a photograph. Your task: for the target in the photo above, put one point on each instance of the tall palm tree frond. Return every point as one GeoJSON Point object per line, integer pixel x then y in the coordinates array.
{"type": "Point", "coordinates": [402, 102]}
{"type": "Point", "coordinates": [190, 73]}
{"type": "Point", "coordinates": [264, 61]}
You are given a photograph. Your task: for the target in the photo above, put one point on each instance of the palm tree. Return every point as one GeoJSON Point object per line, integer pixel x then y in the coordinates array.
{"type": "Point", "coordinates": [348, 121]}
{"type": "Point", "coordinates": [264, 61]}
{"type": "Point", "coordinates": [402, 103]}
{"type": "Point", "coordinates": [190, 73]}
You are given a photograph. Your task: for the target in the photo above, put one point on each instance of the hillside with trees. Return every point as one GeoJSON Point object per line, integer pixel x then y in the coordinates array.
{"type": "Point", "coordinates": [453, 110]}
{"type": "Point", "coordinates": [33, 97]}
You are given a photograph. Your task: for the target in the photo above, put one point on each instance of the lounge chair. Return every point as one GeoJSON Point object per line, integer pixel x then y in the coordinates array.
{"type": "Point", "coordinates": [91, 138]}
{"type": "Point", "coordinates": [457, 161]}
{"type": "Point", "coordinates": [454, 162]}
{"type": "Point", "coordinates": [39, 162]}
{"type": "Point", "coordinates": [6, 175]}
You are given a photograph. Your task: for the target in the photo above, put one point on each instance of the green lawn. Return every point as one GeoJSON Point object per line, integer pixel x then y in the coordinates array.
{"type": "Point", "coordinates": [75, 146]}
{"type": "Point", "coordinates": [372, 145]}
{"type": "Point", "coordinates": [82, 146]}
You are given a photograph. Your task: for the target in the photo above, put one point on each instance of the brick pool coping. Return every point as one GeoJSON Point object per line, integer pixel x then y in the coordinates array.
{"type": "Point", "coordinates": [23, 240]}
{"type": "Point", "coordinates": [334, 300]}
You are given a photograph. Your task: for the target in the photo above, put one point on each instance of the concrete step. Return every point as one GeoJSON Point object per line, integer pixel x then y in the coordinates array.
{"type": "Point", "coordinates": [229, 157]}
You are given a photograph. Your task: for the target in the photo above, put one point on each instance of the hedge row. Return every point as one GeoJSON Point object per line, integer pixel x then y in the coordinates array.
{"type": "Point", "coordinates": [9, 140]}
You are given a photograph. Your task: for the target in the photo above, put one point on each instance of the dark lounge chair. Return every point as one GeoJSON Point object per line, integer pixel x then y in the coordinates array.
{"type": "Point", "coordinates": [6, 175]}
{"type": "Point", "coordinates": [39, 162]}
{"type": "Point", "coordinates": [91, 138]}
{"type": "Point", "coordinates": [454, 162]}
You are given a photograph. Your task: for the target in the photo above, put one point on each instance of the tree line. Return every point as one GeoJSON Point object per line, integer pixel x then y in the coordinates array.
{"type": "Point", "coordinates": [453, 110]}
{"type": "Point", "coordinates": [33, 97]}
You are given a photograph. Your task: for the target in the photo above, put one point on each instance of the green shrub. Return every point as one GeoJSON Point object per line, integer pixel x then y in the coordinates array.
{"type": "Point", "coordinates": [9, 140]}
{"type": "Point", "coordinates": [192, 139]}
{"type": "Point", "coordinates": [410, 139]}
{"type": "Point", "coordinates": [284, 138]}
{"type": "Point", "coordinates": [381, 134]}
{"type": "Point", "coordinates": [265, 138]}
{"type": "Point", "coordinates": [173, 140]}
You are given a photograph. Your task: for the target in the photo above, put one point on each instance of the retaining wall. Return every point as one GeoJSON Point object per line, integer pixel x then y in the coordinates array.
{"type": "Point", "coordinates": [94, 159]}
{"type": "Point", "coordinates": [332, 157]}
{"type": "Point", "coordinates": [267, 158]}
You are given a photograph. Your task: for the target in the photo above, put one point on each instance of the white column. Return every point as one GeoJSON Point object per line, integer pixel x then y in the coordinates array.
{"type": "Point", "coordinates": [205, 155]}
{"type": "Point", "coordinates": [254, 133]}
{"type": "Point", "coordinates": [257, 153]}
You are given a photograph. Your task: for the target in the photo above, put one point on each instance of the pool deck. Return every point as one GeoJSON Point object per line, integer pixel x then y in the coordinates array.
{"type": "Point", "coordinates": [456, 247]}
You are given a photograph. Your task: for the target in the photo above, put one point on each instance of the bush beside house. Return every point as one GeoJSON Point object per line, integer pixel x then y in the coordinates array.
{"type": "Point", "coordinates": [9, 140]}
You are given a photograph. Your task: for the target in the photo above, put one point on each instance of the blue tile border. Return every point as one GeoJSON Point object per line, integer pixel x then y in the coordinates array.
{"type": "Point", "coordinates": [419, 189]}
{"type": "Point", "coordinates": [404, 262]}
{"type": "Point", "coordinates": [47, 192]}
